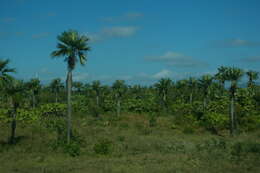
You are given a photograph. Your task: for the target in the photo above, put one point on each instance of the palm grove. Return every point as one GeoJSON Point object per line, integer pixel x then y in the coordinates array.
{"type": "Point", "coordinates": [215, 103]}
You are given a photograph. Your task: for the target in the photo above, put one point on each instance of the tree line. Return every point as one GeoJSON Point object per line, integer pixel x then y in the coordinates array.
{"type": "Point", "coordinates": [211, 100]}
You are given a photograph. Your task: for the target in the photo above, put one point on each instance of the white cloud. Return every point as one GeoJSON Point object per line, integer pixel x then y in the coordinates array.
{"type": "Point", "coordinates": [162, 74]}
{"type": "Point", "coordinates": [113, 32]}
{"type": "Point", "coordinates": [178, 60]}
{"type": "Point", "coordinates": [120, 31]}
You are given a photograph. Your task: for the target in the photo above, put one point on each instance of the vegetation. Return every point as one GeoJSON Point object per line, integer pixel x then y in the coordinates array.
{"type": "Point", "coordinates": [206, 124]}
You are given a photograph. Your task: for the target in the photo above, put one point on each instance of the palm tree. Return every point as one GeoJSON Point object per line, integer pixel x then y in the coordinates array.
{"type": "Point", "coordinates": [192, 84]}
{"type": "Point", "coordinates": [97, 88]}
{"type": "Point", "coordinates": [120, 89]}
{"type": "Point", "coordinates": [205, 84]}
{"type": "Point", "coordinates": [73, 47]}
{"type": "Point", "coordinates": [56, 86]}
{"type": "Point", "coordinates": [78, 86]}
{"type": "Point", "coordinates": [4, 70]}
{"type": "Point", "coordinates": [15, 91]}
{"type": "Point", "coordinates": [34, 86]}
{"type": "Point", "coordinates": [252, 75]}
{"type": "Point", "coordinates": [163, 88]}
{"type": "Point", "coordinates": [234, 75]}
{"type": "Point", "coordinates": [220, 76]}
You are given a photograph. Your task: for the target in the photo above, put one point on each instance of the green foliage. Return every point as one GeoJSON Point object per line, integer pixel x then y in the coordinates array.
{"type": "Point", "coordinates": [103, 147]}
{"type": "Point", "coordinates": [25, 116]}
{"type": "Point", "coordinates": [215, 121]}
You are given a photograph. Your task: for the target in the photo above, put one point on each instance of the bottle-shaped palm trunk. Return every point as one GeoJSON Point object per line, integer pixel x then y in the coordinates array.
{"type": "Point", "coordinates": [69, 107]}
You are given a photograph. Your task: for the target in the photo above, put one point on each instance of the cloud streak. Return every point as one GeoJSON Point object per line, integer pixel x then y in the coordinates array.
{"type": "Point", "coordinates": [40, 35]}
{"type": "Point", "coordinates": [125, 17]}
{"type": "Point", "coordinates": [113, 32]}
{"type": "Point", "coordinates": [252, 59]}
{"type": "Point", "coordinates": [180, 60]}
{"type": "Point", "coordinates": [235, 42]}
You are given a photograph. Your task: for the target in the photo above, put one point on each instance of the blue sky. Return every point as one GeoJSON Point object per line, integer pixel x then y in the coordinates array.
{"type": "Point", "coordinates": [139, 41]}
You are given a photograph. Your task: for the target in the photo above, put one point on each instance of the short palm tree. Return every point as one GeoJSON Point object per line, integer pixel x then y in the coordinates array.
{"type": "Point", "coordinates": [97, 88]}
{"type": "Point", "coordinates": [15, 92]}
{"type": "Point", "coordinates": [233, 75]}
{"type": "Point", "coordinates": [252, 75]}
{"type": "Point", "coordinates": [73, 47]}
{"type": "Point", "coordinates": [56, 86]}
{"type": "Point", "coordinates": [163, 88]}
{"type": "Point", "coordinates": [192, 85]}
{"type": "Point", "coordinates": [119, 87]}
{"type": "Point", "coordinates": [5, 70]}
{"type": "Point", "coordinates": [220, 76]}
{"type": "Point", "coordinates": [205, 84]}
{"type": "Point", "coordinates": [34, 86]}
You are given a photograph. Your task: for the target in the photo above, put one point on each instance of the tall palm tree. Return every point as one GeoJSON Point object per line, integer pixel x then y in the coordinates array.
{"type": "Point", "coordinates": [205, 84]}
{"type": "Point", "coordinates": [56, 86]}
{"type": "Point", "coordinates": [163, 88]}
{"type": "Point", "coordinates": [73, 46]}
{"type": "Point", "coordinates": [119, 87]}
{"type": "Point", "coordinates": [252, 75]}
{"type": "Point", "coordinates": [233, 74]}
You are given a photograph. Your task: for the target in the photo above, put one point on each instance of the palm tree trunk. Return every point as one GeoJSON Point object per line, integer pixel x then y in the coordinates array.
{"type": "Point", "coordinates": [69, 108]}
{"type": "Point", "coordinates": [56, 97]}
{"type": "Point", "coordinates": [13, 127]}
{"type": "Point", "coordinates": [33, 97]}
{"type": "Point", "coordinates": [97, 100]}
{"type": "Point", "coordinates": [204, 103]}
{"type": "Point", "coordinates": [191, 95]}
{"type": "Point", "coordinates": [232, 116]}
{"type": "Point", "coordinates": [118, 107]}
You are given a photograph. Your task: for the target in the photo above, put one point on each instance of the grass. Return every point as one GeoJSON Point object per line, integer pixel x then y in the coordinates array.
{"type": "Point", "coordinates": [130, 144]}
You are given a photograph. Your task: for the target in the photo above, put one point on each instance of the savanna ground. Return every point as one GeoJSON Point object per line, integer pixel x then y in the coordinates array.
{"type": "Point", "coordinates": [131, 143]}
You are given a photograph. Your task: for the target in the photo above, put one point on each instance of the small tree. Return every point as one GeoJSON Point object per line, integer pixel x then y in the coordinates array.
{"type": "Point", "coordinates": [163, 88]}
{"type": "Point", "coordinates": [205, 84]}
{"type": "Point", "coordinates": [56, 86]}
{"type": "Point", "coordinates": [119, 87]}
{"type": "Point", "coordinates": [15, 92]}
{"type": "Point", "coordinates": [34, 86]}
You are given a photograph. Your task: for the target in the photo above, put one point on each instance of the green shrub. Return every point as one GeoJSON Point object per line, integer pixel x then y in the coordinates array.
{"type": "Point", "coordinates": [215, 121]}
{"type": "Point", "coordinates": [103, 147]}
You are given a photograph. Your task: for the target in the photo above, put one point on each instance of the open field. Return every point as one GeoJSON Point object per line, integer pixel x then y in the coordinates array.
{"type": "Point", "coordinates": [130, 144]}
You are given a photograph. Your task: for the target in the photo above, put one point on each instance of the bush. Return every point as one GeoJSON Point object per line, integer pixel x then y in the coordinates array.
{"type": "Point", "coordinates": [215, 121]}
{"type": "Point", "coordinates": [103, 147]}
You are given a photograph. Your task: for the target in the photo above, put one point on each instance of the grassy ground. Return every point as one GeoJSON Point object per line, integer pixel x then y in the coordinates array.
{"type": "Point", "coordinates": [129, 144]}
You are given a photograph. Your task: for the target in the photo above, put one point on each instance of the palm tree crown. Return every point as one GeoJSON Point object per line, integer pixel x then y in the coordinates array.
{"type": "Point", "coordinates": [4, 70]}
{"type": "Point", "coordinates": [252, 75]}
{"type": "Point", "coordinates": [72, 45]}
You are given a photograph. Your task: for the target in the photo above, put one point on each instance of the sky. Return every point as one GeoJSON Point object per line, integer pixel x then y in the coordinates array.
{"type": "Point", "coordinates": [139, 41]}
